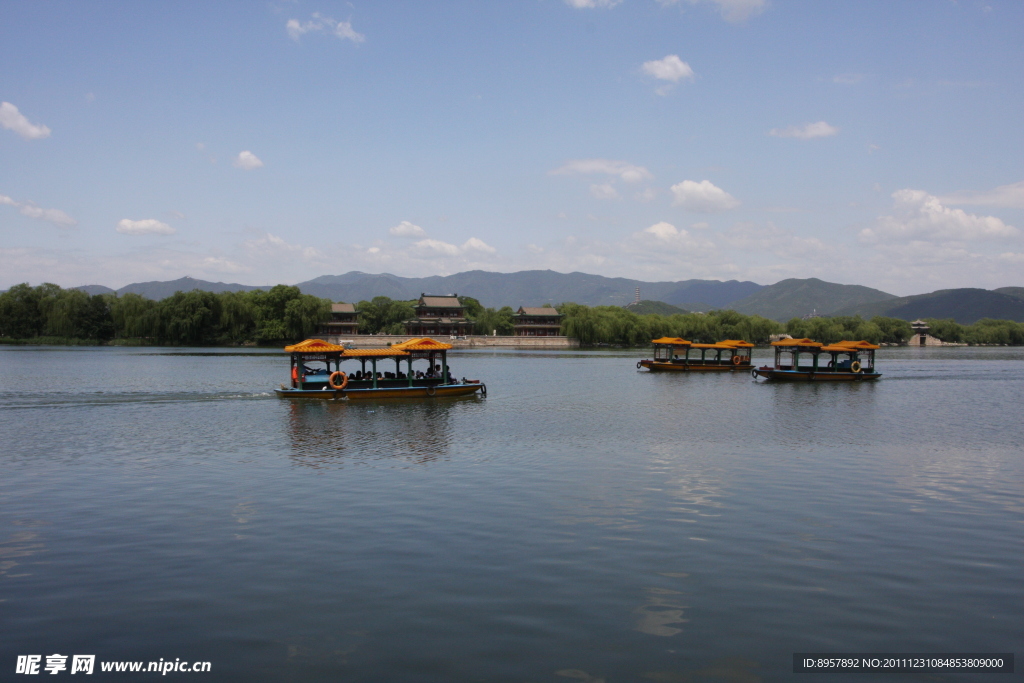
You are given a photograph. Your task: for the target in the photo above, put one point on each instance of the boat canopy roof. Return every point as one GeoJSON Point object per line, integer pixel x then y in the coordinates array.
{"type": "Point", "coordinates": [862, 345]}
{"type": "Point", "coordinates": [314, 346]}
{"type": "Point", "coordinates": [738, 343]}
{"type": "Point", "coordinates": [422, 344]}
{"type": "Point", "coordinates": [718, 345]}
{"type": "Point", "coordinates": [798, 342]}
{"type": "Point", "coordinates": [674, 341]}
{"type": "Point", "coordinates": [389, 352]}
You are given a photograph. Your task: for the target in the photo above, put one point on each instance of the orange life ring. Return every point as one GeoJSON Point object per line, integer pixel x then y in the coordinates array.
{"type": "Point", "coordinates": [737, 360]}
{"type": "Point", "coordinates": [344, 380]}
{"type": "Point", "coordinates": [855, 366]}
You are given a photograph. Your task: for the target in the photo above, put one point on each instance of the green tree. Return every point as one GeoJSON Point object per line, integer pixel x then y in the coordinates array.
{"type": "Point", "coordinates": [20, 315]}
{"type": "Point", "coordinates": [383, 315]}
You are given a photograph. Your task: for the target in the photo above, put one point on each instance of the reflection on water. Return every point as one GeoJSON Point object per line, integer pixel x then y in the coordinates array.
{"type": "Point", "coordinates": [661, 612]}
{"type": "Point", "coordinates": [339, 433]}
{"type": "Point", "coordinates": [20, 544]}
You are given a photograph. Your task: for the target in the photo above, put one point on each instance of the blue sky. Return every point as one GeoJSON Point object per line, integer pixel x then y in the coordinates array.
{"type": "Point", "coordinates": [872, 143]}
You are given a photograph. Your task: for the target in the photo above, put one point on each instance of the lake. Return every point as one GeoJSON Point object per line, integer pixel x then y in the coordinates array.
{"type": "Point", "coordinates": [584, 522]}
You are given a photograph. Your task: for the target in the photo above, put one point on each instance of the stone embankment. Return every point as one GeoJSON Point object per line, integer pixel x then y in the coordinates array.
{"type": "Point", "coordinates": [476, 341]}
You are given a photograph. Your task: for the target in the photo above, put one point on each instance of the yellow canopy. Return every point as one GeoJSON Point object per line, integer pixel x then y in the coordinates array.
{"type": "Point", "coordinates": [796, 342]}
{"type": "Point", "coordinates": [718, 345]}
{"type": "Point", "coordinates": [422, 344]}
{"type": "Point", "coordinates": [738, 343]}
{"type": "Point", "coordinates": [674, 341]}
{"type": "Point", "coordinates": [857, 344]}
{"type": "Point", "coordinates": [314, 346]}
{"type": "Point", "coordinates": [366, 353]}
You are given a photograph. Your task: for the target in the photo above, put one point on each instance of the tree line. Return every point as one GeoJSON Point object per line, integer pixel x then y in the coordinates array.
{"type": "Point", "coordinates": [50, 314]}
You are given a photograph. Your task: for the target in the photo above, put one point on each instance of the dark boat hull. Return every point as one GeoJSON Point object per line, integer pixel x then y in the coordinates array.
{"type": "Point", "coordinates": [812, 376]}
{"type": "Point", "coordinates": [436, 391]}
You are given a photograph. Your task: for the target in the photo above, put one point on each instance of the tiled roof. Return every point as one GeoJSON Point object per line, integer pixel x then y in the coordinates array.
{"type": "Point", "coordinates": [343, 308]}
{"type": "Point", "coordinates": [422, 344]}
{"type": "Point", "coordinates": [796, 342]}
{"type": "Point", "coordinates": [313, 346]}
{"type": "Point", "coordinates": [440, 301]}
{"type": "Point", "coordinates": [364, 353]}
{"type": "Point", "coordinates": [543, 310]}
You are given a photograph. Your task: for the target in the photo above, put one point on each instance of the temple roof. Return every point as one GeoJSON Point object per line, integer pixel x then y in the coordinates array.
{"type": "Point", "coordinates": [432, 301]}
{"type": "Point", "coordinates": [343, 308]}
{"type": "Point", "coordinates": [541, 310]}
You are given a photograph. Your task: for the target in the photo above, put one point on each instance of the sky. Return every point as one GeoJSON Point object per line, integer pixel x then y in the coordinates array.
{"type": "Point", "coordinates": [861, 142]}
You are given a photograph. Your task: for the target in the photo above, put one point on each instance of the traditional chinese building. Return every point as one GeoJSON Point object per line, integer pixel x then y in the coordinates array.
{"type": "Point", "coordinates": [344, 321]}
{"type": "Point", "coordinates": [439, 316]}
{"type": "Point", "coordinates": [921, 336]}
{"type": "Point", "coordinates": [537, 322]}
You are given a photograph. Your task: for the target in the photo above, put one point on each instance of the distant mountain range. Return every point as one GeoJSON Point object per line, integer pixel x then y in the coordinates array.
{"type": "Point", "coordinates": [965, 306]}
{"type": "Point", "coordinates": [781, 301]}
{"type": "Point", "coordinates": [162, 290]}
{"type": "Point", "coordinates": [531, 288]}
{"type": "Point", "coordinates": [795, 298]}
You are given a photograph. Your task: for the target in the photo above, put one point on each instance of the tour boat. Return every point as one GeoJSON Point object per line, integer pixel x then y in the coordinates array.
{"type": "Point", "coordinates": [316, 372]}
{"type": "Point", "coordinates": [848, 361]}
{"type": "Point", "coordinates": [679, 355]}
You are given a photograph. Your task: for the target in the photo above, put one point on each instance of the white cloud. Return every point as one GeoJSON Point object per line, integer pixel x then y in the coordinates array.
{"type": "Point", "coordinates": [221, 264]}
{"type": "Point", "coordinates": [669, 68]}
{"type": "Point", "coordinates": [446, 249]}
{"type": "Point", "coordinates": [54, 216]}
{"type": "Point", "coordinates": [702, 197]}
{"type": "Point", "coordinates": [919, 216]}
{"type": "Point", "coordinates": [731, 10]}
{"type": "Point", "coordinates": [12, 119]}
{"type": "Point", "coordinates": [147, 226]}
{"type": "Point", "coordinates": [474, 244]}
{"type": "Point", "coordinates": [808, 131]}
{"type": "Point", "coordinates": [1009, 196]}
{"type": "Point", "coordinates": [591, 4]}
{"type": "Point", "coordinates": [342, 29]}
{"type": "Point", "coordinates": [646, 195]}
{"type": "Point", "coordinates": [626, 171]}
{"type": "Point", "coordinates": [664, 231]}
{"type": "Point", "coordinates": [604, 191]}
{"type": "Point", "coordinates": [663, 250]}
{"type": "Point", "coordinates": [407, 229]}
{"type": "Point", "coordinates": [272, 246]}
{"type": "Point", "coordinates": [247, 161]}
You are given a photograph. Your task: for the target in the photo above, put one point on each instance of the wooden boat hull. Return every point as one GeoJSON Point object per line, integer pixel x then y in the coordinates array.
{"type": "Point", "coordinates": [692, 366]}
{"type": "Point", "coordinates": [444, 391]}
{"type": "Point", "coordinates": [809, 376]}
